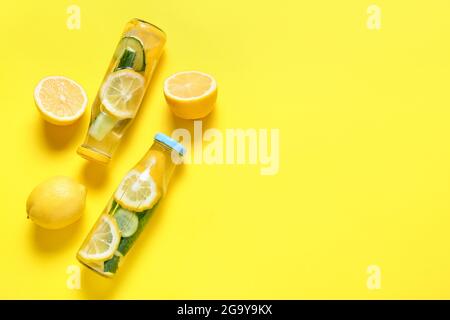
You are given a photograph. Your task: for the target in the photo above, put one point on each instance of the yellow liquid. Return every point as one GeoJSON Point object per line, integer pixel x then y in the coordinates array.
{"type": "Point", "coordinates": [153, 40]}
{"type": "Point", "coordinates": [158, 161]}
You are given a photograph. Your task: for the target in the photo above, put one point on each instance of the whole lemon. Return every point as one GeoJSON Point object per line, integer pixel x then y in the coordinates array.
{"type": "Point", "coordinates": [56, 203]}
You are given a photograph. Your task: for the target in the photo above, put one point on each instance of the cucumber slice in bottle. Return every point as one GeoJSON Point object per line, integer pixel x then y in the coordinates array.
{"type": "Point", "coordinates": [101, 126]}
{"type": "Point", "coordinates": [127, 60]}
{"type": "Point", "coordinates": [127, 222]}
{"type": "Point", "coordinates": [126, 46]}
{"type": "Point", "coordinates": [125, 244]}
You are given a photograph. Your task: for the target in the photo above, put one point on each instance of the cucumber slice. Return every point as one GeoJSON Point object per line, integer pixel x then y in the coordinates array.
{"type": "Point", "coordinates": [126, 46]}
{"type": "Point", "coordinates": [101, 126]}
{"type": "Point", "coordinates": [127, 60]}
{"type": "Point", "coordinates": [126, 243]}
{"type": "Point", "coordinates": [127, 222]}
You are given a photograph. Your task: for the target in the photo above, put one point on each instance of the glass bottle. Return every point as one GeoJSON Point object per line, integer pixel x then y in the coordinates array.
{"type": "Point", "coordinates": [123, 87]}
{"type": "Point", "coordinates": [130, 207]}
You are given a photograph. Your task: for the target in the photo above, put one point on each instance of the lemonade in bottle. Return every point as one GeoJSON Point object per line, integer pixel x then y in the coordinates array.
{"type": "Point", "coordinates": [122, 89]}
{"type": "Point", "coordinates": [130, 207]}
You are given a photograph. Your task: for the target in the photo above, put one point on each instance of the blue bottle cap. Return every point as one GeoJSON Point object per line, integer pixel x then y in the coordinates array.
{"type": "Point", "coordinates": [171, 143]}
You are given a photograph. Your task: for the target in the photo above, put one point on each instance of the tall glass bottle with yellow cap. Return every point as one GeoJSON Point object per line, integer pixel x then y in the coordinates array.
{"type": "Point", "coordinates": [130, 207]}
{"type": "Point", "coordinates": [122, 89]}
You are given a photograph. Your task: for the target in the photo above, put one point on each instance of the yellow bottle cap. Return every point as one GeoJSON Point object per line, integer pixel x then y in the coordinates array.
{"type": "Point", "coordinates": [93, 155]}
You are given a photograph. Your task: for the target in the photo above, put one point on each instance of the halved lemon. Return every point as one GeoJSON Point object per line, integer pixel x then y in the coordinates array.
{"type": "Point", "coordinates": [137, 191]}
{"type": "Point", "coordinates": [103, 241]}
{"type": "Point", "coordinates": [190, 94]}
{"type": "Point", "coordinates": [60, 100]}
{"type": "Point", "coordinates": [122, 92]}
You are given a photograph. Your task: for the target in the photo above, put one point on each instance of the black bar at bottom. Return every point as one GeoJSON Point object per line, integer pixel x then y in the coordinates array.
{"type": "Point", "coordinates": [225, 309]}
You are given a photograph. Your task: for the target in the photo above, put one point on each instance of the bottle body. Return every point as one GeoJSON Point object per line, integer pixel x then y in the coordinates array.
{"type": "Point", "coordinates": [123, 87]}
{"type": "Point", "coordinates": [129, 209]}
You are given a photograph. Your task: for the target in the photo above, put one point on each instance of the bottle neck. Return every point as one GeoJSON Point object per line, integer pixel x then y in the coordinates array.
{"type": "Point", "coordinates": [170, 158]}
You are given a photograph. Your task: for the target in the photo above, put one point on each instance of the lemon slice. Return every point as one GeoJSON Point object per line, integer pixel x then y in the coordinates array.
{"type": "Point", "coordinates": [60, 100]}
{"type": "Point", "coordinates": [103, 241]}
{"type": "Point", "coordinates": [122, 92]}
{"type": "Point", "coordinates": [190, 94]}
{"type": "Point", "coordinates": [137, 191]}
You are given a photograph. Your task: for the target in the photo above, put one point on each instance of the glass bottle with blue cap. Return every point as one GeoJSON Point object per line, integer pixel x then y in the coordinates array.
{"type": "Point", "coordinates": [130, 208]}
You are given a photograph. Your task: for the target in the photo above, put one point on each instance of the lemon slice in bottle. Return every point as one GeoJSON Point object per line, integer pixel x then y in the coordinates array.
{"type": "Point", "coordinates": [121, 95]}
{"type": "Point", "coordinates": [122, 92]}
{"type": "Point", "coordinates": [103, 242]}
{"type": "Point", "coordinates": [190, 94]}
{"type": "Point", "coordinates": [137, 191]}
{"type": "Point", "coordinates": [60, 100]}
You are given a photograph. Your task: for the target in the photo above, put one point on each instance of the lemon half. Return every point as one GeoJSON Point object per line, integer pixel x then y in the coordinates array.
{"type": "Point", "coordinates": [190, 94]}
{"type": "Point", "coordinates": [60, 100]}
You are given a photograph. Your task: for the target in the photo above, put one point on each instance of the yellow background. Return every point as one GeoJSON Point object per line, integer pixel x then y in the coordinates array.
{"type": "Point", "coordinates": [364, 150]}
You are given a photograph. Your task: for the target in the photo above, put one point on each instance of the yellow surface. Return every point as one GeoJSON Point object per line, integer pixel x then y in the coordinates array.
{"type": "Point", "coordinates": [364, 150]}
